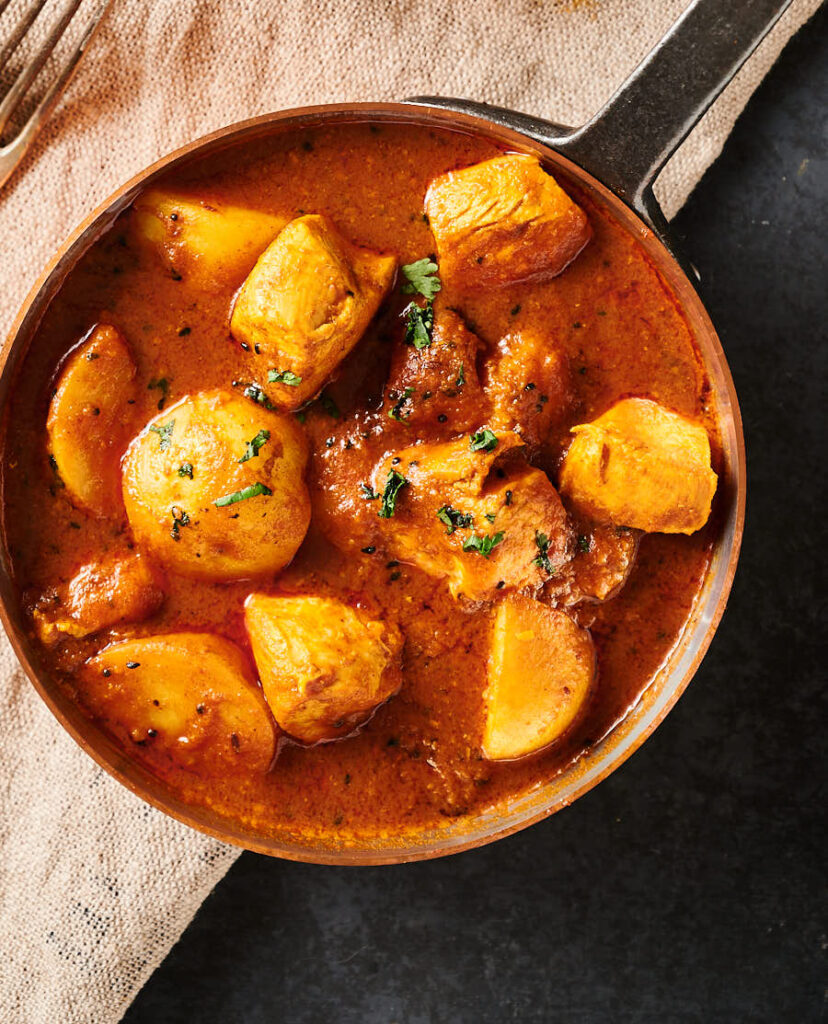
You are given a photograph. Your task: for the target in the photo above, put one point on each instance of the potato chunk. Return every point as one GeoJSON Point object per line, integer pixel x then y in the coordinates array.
{"type": "Point", "coordinates": [502, 221]}
{"type": "Point", "coordinates": [527, 381]}
{"type": "Point", "coordinates": [215, 487]}
{"type": "Point", "coordinates": [89, 423]}
{"type": "Point", "coordinates": [124, 587]}
{"type": "Point", "coordinates": [643, 466]}
{"type": "Point", "coordinates": [483, 520]}
{"type": "Point", "coordinates": [185, 698]}
{"type": "Point", "coordinates": [307, 302]}
{"type": "Point", "coordinates": [206, 241]}
{"type": "Point", "coordinates": [325, 666]}
{"type": "Point", "coordinates": [541, 667]}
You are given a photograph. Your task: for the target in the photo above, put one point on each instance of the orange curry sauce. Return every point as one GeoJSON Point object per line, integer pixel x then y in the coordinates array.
{"type": "Point", "coordinates": [417, 762]}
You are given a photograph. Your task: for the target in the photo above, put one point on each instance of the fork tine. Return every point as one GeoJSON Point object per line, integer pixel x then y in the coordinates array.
{"type": "Point", "coordinates": [23, 27]}
{"type": "Point", "coordinates": [39, 114]}
{"type": "Point", "coordinates": [29, 71]}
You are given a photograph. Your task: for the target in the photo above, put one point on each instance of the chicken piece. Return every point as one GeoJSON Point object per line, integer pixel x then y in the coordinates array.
{"type": "Point", "coordinates": [502, 221]}
{"type": "Point", "coordinates": [527, 382]}
{"type": "Point", "coordinates": [124, 587]}
{"type": "Point", "coordinates": [643, 466]}
{"type": "Point", "coordinates": [541, 668]}
{"type": "Point", "coordinates": [89, 422]}
{"type": "Point", "coordinates": [215, 487]}
{"type": "Point", "coordinates": [307, 303]}
{"type": "Point", "coordinates": [439, 380]}
{"type": "Point", "coordinates": [185, 698]}
{"type": "Point", "coordinates": [325, 666]}
{"type": "Point", "coordinates": [207, 242]}
{"type": "Point", "coordinates": [603, 560]}
{"type": "Point", "coordinates": [484, 520]}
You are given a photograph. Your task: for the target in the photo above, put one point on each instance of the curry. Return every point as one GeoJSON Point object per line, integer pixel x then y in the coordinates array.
{"type": "Point", "coordinates": [360, 479]}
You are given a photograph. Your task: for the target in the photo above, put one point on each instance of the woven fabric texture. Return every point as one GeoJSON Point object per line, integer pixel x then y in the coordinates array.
{"type": "Point", "coordinates": [95, 886]}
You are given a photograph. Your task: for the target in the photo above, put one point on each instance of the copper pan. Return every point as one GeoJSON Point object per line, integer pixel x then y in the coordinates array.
{"type": "Point", "coordinates": [615, 158]}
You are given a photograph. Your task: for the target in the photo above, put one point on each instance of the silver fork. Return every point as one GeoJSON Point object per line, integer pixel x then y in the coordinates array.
{"type": "Point", "coordinates": [13, 151]}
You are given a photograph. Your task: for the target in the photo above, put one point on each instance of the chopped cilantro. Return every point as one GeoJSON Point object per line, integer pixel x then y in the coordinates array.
{"type": "Point", "coordinates": [421, 277]}
{"type": "Point", "coordinates": [483, 544]}
{"type": "Point", "coordinates": [164, 434]}
{"type": "Point", "coordinates": [180, 518]}
{"type": "Point", "coordinates": [461, 377]}
{"type": "Point", "coordinates": [454, 519]}
{"type": "Point", "coordinates": [583, 542]}
{"type": "Point", "coordinates": [163, 386]}
{"type": "Point", "coordinates": [368, 492]}
{"type": "Point", "coordinates": [329, 405]}
{"type": "Point", "coordinates": [484, 440]}
{"type": "Point", "coordinates": [186, 469]}
{"type": "Point", "coordinates": [253, 446]}
{"type": "Point", "coordinates": [393, 485]}
{"type": "Point", "coordinates": [395, 411]}
{"type": "Point", "coordinates": [542, 558]}
{"type": "Point", "coordinates": [251, 491]}
{"type": "Point", "coordinates": [419, 323]}
{"type": "Point", "coordinates": [283, 377]}
{"type": "Point", "coordinates": [256, 393]}
{"type": "Point", "coordinates": [490, 516]}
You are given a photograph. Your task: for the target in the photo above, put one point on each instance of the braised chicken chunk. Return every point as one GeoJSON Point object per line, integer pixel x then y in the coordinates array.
{"type": "Point", "coordinates": [89, 420]}
{"type": "Point", "coordinates": [325, 666]}
{"type": "Point", "coordinates": [643, 466]}
{"type": "Point", "coordinates": [502, 221]}
{"type": "Point", "coordinates": [306, 304]}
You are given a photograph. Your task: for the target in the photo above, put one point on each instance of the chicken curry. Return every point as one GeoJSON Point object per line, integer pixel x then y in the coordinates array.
{"type": "Point", "coordinates": [359, 479]}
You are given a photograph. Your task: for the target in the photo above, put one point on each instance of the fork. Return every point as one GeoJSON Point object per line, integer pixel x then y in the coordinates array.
{"type": "Point", "coordinates": [13, 151]}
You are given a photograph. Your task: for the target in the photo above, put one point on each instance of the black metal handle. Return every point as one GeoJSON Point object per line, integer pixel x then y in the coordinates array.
{"type": "Point", "coordinates": [630, 139]}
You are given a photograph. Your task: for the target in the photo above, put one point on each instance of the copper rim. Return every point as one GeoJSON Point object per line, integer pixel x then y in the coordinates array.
{"type": "Point", "coordinates": [600, 760]}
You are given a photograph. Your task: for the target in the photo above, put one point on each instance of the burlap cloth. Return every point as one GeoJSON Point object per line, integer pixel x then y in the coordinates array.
{"type": "Point", "coordinates": [95, 886]}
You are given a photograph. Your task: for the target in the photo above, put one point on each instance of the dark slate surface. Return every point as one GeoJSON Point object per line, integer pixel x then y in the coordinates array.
{"type": "Point", "coordinates": [689, 887]}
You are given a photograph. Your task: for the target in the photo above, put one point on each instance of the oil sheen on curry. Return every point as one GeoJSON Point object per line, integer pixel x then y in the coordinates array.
{"type": "Point", "coordinates": [358, 480]}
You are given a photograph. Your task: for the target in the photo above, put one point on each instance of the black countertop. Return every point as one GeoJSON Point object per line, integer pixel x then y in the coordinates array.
{"type": "Point", "coordinates": [690, 885]}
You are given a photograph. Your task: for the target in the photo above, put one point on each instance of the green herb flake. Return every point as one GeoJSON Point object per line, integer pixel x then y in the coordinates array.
{"type": "Point", "coordinates": [251, 491]}
{"type": "Point", "coordinates": [164, 434]}
{"type": "Point", "coordinates": [541, 560]}
{"type": "Point", "coordinates": [419, 323]}
{"type": "Point", "coordinates": [393, 485]}
{"type": "Point", "coordinates": [461, 377]}
{"type": "Point", "coordinates": [163, 385]}
{"type": "Point", "coordinates": [395, 412]}
{"type": "Point", "coordinates": [253, 447]}
{"type": "Point", "coordinates": [180, 518]}
{"type": "Point", "coordinates": [484, 440]}
{"type": "Point", "coordinates": [483, 544]}
{"type": "Point", "coordinates": [330, 406]}
{"type": "Point", "coordinates": [257, 394]}
{"type": "Point", "coordinates": [284, 377]}
{"type": "Point", "coordinates": [368, 492]}
{"type": "Point", "coordinates": [454, 519]}
{"type": "Point", "coordinates": [421, 276]}
{"type": "Point", "coordinates": [490, 516]}
{"type": "Point", "coordinates": [583, 542]}
{"type": "Point", "coordinates": [186, 469]}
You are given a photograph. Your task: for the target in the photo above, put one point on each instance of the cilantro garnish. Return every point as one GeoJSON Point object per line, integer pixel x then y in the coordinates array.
{"type": "Point", "coordinates": [186, 469]}
{"type": "Point", "coordinates": [484, 440]}
{"type": "Point", "coordinates": [583, 542]}
{"type": "Point", "coordinates": [421, 277]}
{"type": "Point", "coordinates": [180, 518]}
{"type": "Point", "coordinates": [482, 543]}
{"type": "Point", "coordinates": [329, 405]}
{"type": "Point", "coordinates": [283, 377]}
{"type": "Point", "coordinates": [461, 377]}
{"type": "Point", "coordinates": [393, 485]}
{"type": "Point", "coordinates": [164, 434]}
{"type": "Point", "coordinates": [257, 394]}
{"type": "Point", "coordinates": [419, 323]}
{"type": "Point", "coordinates": [253, 446]}
{"type": "Point", "coordinates": [368, 492]}
{"type": "Point", "coordinates": [541, 560]}
{"type": "Point", "coordinates": [396, 409]}
{"type": "Point", "coordinates": [251, 491]}
{"type": "Point", "coordinates": [163, 386]}
{"type": "Point", "coordinates": [453, 518]}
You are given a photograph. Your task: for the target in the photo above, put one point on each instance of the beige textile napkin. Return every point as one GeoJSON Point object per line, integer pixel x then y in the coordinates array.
{"type": "Point", "coordinates": [95, 887]}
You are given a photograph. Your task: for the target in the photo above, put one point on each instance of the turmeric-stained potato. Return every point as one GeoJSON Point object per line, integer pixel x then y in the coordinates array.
{"type": "Point", "coordinates": [502, 221]}
{"type": "Point", "coordinates": [121, 587]}
{"type": "Point", "coordinates": [437, 387]}
{"type": "Point", "coordinates": [306, 304]}
{"type": "Point", "coordinates": [643, 466]}
{"type": "Point", "coordinates": [541, 667]}
{"type": "Point", "coordinates": [484, 520]}
{"type": "Point", "coordinates": [324, 666]}
{"type": "Point", "coordinates": [206, 241]}
{"type": "Point", "coordinates": [185, 698]}
{"type": "Point", "coordinates": [89, 422]}
{"type": "Point", "coordinates": [527, 383]}
{"type": "Point", "coordinates": [215, 487]}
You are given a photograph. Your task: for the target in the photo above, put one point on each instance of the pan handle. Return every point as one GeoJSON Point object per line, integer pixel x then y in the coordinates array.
{"type": "Point", "coordinates": [630, 139]}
